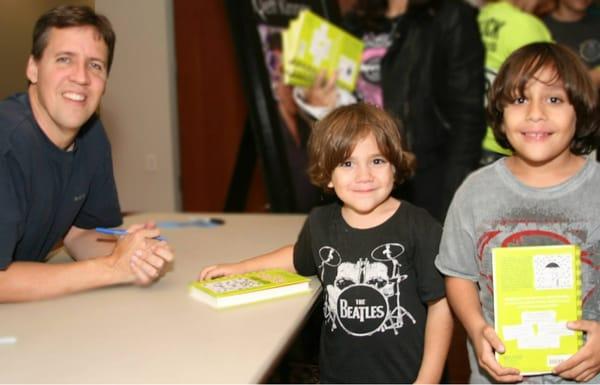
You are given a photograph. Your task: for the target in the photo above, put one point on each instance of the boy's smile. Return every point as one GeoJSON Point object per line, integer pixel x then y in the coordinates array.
{"type": "Point", "coordinates": [364, 181]}
{"type": "Point", "coordinates": [540, 124]}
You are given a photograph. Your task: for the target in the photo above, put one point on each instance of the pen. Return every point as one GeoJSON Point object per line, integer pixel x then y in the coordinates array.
{"type": "Point", "coordinates": [104, 230]}
{"type": "Point", "coordinates": [194, 222]}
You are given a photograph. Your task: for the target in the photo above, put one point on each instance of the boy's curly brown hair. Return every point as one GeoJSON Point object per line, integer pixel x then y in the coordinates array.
{"type": "Point", "coordinates": [334, 137]}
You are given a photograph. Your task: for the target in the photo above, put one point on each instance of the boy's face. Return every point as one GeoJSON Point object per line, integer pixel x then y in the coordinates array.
{"type": "Point", "coordinates": [365, 180]}
{"type": "Point", "coordinates": [540, 125]}
{"type": "Point", "coordinates": [69, 79]}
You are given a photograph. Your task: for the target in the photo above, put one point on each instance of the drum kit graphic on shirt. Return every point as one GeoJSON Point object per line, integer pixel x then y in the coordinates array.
{"type": "Point", "coordinates": [364, 297]}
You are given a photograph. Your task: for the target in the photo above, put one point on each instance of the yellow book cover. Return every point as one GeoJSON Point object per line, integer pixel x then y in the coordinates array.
{"type": "Point", "coordinates": [537, 290]}
{"type": "Point", "coordinates": [313, 44]}
{"type": "Point", "coordinates": [249, 287]}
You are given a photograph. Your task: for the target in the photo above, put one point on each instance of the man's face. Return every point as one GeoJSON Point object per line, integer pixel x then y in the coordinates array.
{"type": "Point", "coordinates": [68, 80]}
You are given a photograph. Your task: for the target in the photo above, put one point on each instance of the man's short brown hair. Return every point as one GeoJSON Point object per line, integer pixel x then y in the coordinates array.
{"type": "Point", "coordinates": [65, 16]}
{"type": "Point", "coordinates": [522, 66]}
{"type": "Point", "coordinates": [334, 137]}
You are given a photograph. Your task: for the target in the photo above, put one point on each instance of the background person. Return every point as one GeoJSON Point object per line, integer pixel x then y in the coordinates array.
{"type": "Point", "coordinates": [423, 62]}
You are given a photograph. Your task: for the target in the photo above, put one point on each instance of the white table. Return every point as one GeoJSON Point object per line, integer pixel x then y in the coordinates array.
{"type": "Point", "coordinates": [159, 334]}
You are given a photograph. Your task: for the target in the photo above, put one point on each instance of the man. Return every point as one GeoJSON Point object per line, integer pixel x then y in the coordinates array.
{"type": "Point", "coordinates": [56, 177]}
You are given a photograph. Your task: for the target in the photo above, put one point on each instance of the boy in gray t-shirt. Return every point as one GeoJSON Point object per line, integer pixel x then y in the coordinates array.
{"type": "Point", "coordinates": [544, 108]}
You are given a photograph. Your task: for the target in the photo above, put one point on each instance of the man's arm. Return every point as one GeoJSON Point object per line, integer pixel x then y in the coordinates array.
{"type": "Point", "coordinates": [438, 334]}
{"type": "Point", "coordinates": [82, 244]}
{"type": "Point", "coordinates": [135, 258]}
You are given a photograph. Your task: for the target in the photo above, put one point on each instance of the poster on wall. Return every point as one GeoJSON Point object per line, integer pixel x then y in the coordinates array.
{"type": "Point", "coordinates": [279, 130]}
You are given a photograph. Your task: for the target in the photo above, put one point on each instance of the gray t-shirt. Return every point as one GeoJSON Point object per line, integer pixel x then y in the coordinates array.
{"type": "Point", "coordinates": [494, 209]}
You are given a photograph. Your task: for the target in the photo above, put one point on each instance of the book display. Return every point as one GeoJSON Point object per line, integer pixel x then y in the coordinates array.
{"type": "Point", "coordinates": [249, 287]}
{"type": "Point", "coordinates": [311, 44]}
{"type": "Point", "coordinates": [537, 290]}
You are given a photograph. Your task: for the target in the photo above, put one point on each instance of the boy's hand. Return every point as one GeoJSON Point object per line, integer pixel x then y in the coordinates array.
{"type": "Point", "coordinates": [221, 270]}
{"type": "Point", "coordinates": [585, 364]}
{"type": "Point", "coordinates": [488, 343]}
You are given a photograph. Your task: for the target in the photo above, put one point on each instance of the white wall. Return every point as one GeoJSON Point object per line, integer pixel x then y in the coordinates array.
{"type": "Point", "coordinates": [17, 18]}
{"type": "Point", "coordinates": [139, 109]}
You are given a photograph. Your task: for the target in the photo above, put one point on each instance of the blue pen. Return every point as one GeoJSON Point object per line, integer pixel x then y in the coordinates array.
{"type": "Point", "coordinates": [108, 231]}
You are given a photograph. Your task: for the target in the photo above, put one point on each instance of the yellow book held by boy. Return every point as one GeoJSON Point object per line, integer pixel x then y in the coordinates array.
{"type": "Point", "coordinates": [311, 44]}
{"type": "Point", "coordinates": [537, 290]}
{"type": "Point", "coordinates": [249, 287]}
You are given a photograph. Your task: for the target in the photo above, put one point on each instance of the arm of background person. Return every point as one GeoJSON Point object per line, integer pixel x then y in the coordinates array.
{"type": "Point", "coordinates": [321, 97]}
{"type": "Point", "coordinates": [127, 263]}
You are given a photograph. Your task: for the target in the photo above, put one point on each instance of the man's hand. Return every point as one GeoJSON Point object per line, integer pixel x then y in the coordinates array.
{"type": "Point", "coordinates": [486, 343]}
{"type": "Point", "coordinates": [139, 257]}
{"type": "Point", "coordinates": [585, 364]}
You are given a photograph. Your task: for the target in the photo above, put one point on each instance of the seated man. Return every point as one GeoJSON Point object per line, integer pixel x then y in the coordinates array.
{"type": "Point", "coordinates": [56, 171]}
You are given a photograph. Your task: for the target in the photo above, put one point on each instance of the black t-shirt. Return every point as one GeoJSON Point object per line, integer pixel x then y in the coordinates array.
{"type": "Point", "coordinates": [376, 285]}
{"type": "Point", "coordinates": [582, 36]}
{"type": "Point", "coordinates": [45, 190]}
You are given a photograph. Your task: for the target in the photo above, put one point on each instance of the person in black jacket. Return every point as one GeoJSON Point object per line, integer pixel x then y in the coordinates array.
{"type": "Point", "coordinates": [423, 63]}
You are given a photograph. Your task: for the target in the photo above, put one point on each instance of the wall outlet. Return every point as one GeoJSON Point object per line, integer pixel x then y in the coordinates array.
{"type": "Point", "coordinates": [151, 163]}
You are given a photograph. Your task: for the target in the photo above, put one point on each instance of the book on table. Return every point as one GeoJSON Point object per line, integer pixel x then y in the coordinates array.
{"type": "Point", "coordinates": [312, 44]}
{"type": "Point", "coordinates": [250, 287]}
{"type": "Point", "coordinates": [537, 290]}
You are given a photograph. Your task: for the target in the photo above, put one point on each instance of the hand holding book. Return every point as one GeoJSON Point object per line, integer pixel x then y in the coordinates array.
{"type": "Point", "coordinates": [537, 290]}
{"type": "Point", "coordinates": [486, 345]}
{"type": "Point", "coordinates": [322, 92]}
{"type": "Point", "coordinates": [585, 364]}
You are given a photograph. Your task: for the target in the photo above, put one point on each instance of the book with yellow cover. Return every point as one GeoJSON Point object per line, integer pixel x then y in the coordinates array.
{"type": "Point", "coordinates": [537, 290]}
{"type": "Point", "coordinates": [311, 44]}
{"type": "Point", "coordinates": [249, 287]}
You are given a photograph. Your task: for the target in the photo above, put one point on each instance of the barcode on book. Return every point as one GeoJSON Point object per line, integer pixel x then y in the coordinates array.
{"type": "Point", "coordinates": [557, 359]}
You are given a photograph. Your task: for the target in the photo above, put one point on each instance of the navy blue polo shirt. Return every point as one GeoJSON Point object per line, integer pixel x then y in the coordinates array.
{"type": "Point", "coordinates": [45, 190]}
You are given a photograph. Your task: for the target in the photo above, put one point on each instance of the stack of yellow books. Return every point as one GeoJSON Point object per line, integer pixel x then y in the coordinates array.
{"type": "Point", "coordinates": [311, 45]}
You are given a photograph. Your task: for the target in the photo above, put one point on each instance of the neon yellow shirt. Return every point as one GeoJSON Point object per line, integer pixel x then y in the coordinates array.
{"type": "Point", "coordinates": [505, 28]}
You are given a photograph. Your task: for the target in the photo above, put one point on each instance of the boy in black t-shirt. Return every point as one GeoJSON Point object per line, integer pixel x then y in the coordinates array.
{"type": "Point", "coordinates": [386, 316]}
